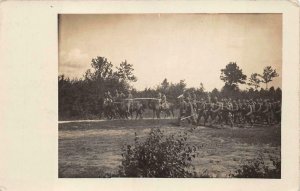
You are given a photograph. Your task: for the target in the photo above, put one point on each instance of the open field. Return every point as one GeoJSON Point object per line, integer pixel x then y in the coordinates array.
{"type": "Point", "coordinates": [93, 148]}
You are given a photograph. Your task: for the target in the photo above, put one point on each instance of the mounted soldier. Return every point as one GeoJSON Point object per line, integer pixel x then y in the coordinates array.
{"type": "Point", "coordinates": [129, 103]}
{"type": "Point", "coordinates": [108, 105]}
{"type": "Point", "coordinates": [164, 102]}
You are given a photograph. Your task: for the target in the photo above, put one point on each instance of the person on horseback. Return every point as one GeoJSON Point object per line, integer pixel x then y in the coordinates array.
{"type": "Point", "coordinates": [130, 101]}
{"type": "Point", "coordinates": [164, 102]}
{"type": "Point", "coordinates": [122, 95]}
{"type": "Point", "coordinates": [108, 105]}
{"type": "Point", "coordinates": [159, 98]}
{"type": "Point", "coordinates": [107, 97]}
{"type": "Point", "coordinates": [117, 96]}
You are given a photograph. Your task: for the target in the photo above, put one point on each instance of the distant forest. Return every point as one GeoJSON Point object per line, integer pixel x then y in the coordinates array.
{"type": "Point", "coordinates": [82, 98]}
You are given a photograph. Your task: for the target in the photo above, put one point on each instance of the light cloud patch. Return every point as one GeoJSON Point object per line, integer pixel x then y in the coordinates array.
{"type": "Point", "coordinates": [73, 62]}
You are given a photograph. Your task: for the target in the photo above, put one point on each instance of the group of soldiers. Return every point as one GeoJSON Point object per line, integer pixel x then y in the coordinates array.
{"type": "Point", "coordinates": [229, 111]}
{"type": "Point", "coordinates": [225, 111]}
{"type": "Point", "coordinates": [118, 97]}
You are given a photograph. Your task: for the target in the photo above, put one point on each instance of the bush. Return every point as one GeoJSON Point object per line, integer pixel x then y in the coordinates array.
{"type": "Point", "coordinates": [159, 156]}
{"type": "Point", "coordinates": [257, 168]}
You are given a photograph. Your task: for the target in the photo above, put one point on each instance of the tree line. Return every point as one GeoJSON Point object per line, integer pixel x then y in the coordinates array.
{"type": "Point", "coordinates": [82, 98]}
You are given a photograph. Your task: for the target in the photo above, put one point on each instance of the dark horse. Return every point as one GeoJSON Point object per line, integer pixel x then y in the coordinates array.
{"type": "Point", "coordinates": [109, 110]}
{"type": "Point", "coordinates": [125, 109]}
{"type": "Point", "coordinates": [154, 105]}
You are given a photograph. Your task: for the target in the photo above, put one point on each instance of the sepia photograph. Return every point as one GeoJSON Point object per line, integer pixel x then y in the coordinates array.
{"type": "Point", "coordinates": [149, 95]}
{"type": "Point", "coordinates": [170, 95]}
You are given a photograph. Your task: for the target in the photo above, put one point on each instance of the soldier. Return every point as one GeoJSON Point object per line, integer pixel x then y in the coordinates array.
{"type": "Point", "coordinates": [194, 101]}
{"type": "Point", "coordinates": [235, 110]}
{"type": "Point", "coordinates": [109, 96]}
{"type": "Point", "coordinates": [266, 112]}
{"type": "Point", "coordinates": [130, 101]}
{"type": "Point", "coordinates": [207, 110]}
{"type": "Point", "coordinates": [122, 95]}
{"type": "Point", "coordinates": [164, 101]}
{"type": "Point", "coordinates": [277, 111]}
{"type": "Point", "coordinates": [227, 112]}
{"type": "Point", "coordinates": [249, 116]}
{"type": "Point", "coordinates": [201, 109]}
{"type": "Point", "coordinates": [187, 96]}
{"type": "Point", "coordinates": [182, 108]}
{"type": "Point", "coordinates": [117, 96]}
{"type": "Point", "coordinates": [190, 111]}
{"type": "Point", "coordinates": [159, 97]}
{"type": "Point", "coordinates": [257, 110]}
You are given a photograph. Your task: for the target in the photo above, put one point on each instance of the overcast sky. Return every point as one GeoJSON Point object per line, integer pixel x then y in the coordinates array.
{"type": "Point", "coordinates": [194, 47]}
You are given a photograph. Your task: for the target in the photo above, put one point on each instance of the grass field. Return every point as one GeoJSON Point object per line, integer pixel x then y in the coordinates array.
{"type": "Point", "coordinates": [91, 149]}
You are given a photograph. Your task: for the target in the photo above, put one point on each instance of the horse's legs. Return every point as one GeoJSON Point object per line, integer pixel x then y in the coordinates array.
{"type": "Point", "coordinates": [158, 114]}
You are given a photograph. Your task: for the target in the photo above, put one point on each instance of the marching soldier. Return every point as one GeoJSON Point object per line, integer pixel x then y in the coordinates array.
{"type": "Point", "coordinates": [277, 111]}
{"type": "Point", "coordinates": [201, 109]}
{"type": "Point", "coordinates": [217, 107]}
{"type": "Point", "coordinates": [182, 108]}
{"type": "Point", "coordinates": [266, 115]}
{"type": "Point", "coordinates": [235, 109]}
{"type": "Point", "coordinates": [190, 111]}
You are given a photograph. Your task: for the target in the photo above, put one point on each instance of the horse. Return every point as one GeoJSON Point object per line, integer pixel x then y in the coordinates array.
{"type": "Point", "coordinates": [109, 110]}
{"type": "Point", "coordinates": [138, 107]}
{"type": "Point", "coordinates": [121, 109]}
{"type": "Point", "coordinates": [154, 105]}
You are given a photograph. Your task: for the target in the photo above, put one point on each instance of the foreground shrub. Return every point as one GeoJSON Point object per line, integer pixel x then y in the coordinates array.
{"type": "Point", "coordinates": [257, 168]}
{"type": "Point", "coordinates": [159, 156]}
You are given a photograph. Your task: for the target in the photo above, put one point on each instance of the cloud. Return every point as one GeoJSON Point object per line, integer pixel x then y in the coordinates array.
{"type": "Point", "coordinates": [73, 59]}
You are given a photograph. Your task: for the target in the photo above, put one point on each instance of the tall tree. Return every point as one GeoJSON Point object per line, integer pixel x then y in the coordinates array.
{"type": "Point", "coordinates": [125, 72]}
{"type": "Point", "coordinates": [125, 75]}
{"type": "Point", "coordinates": [102, 70]}
{"type": "Point", "coordinates": [268, 74]}
{"type": "Point", "coordinates": [232, 75]}
{"type": "Point", "coordinates": [254, 81]}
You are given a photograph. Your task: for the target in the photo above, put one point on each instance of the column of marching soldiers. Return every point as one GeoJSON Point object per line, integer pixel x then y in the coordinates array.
{"type": "Point", "coordinates": [194, 109]}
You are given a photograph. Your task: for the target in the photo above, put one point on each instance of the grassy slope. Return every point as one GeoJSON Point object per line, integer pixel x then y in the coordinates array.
{"type": "Point", "coordinates": [89, 149]}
